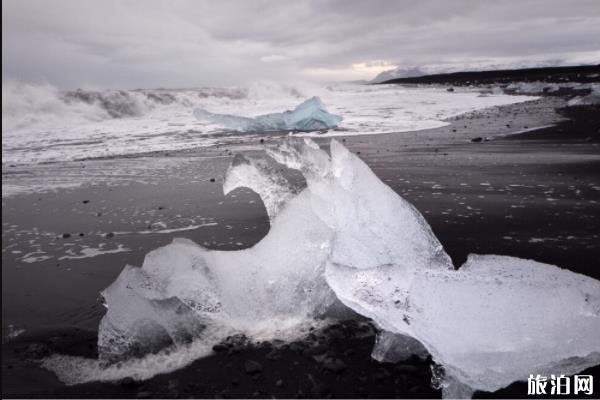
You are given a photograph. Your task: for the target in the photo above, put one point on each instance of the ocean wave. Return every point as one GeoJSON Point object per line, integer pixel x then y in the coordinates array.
{"type": "Point", "coordinates": [26, 104]}
{"type": "Point", "coordinates": [117, 104]}
{"type": "Point", "coordinates": [44, 124]}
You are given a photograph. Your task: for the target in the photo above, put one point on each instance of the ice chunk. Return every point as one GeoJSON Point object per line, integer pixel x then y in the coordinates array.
{"type": "Point", "coordinates": [492, 322]}
{"type": "Point", "coordinates": [304, 156]}
{"type": "Point", "coordinates": [273, 189]}
{"type": "Point", "coordinates": [311, 115]}
{"type": "Point", "coordinates": [364, 213]}
{"type": "Point", "coordinates": [591, 99]}
{"type": "Point", "coordinates": [344, 214]}
{"type": "Point", "coordinates": [278, 281]}
{"type": "Point", "coordinates": [143, 313]}
{"type": "Point", "coordinates": [183, 287]}
{"type": "Point", "coordinates": [533, 87]}
{"type": "Point", "coordinates": [394, 347]}
{"type": "Point", "coordinates": [347, 237]}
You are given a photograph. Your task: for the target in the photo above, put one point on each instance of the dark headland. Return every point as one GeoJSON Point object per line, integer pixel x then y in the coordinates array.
{"type": "Point", "coordinates": [582, 74]}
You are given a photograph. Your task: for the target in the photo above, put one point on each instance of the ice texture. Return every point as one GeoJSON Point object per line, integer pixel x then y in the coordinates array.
{"type": "Point", "coordinates": [492, 322]}
{"type": "Point", "coordinates": [371, 224]}
{"type": "Point", "coordinates": [263, 179]}
{"type": "Point", "coordinates": [395, 347]}
{"type": "Point", "coordinates": [283, 276]}
{"type": "Point", "coordinates": [310, 115]}
{"type": "Point", "coordinates": [182, 288]}
{"type": "Point", "coordinates": [348, 239]}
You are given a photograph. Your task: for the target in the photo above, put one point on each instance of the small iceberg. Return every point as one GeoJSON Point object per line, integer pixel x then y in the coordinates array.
{"type": "Point", "coordinates": [346, 241]}
{"type": "Point", "coordinates": [311, 115]}
{"type": "Point", "coordinates": [591, 99]}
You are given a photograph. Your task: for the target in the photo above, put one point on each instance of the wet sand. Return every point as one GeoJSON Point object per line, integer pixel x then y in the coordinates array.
{"type": "Point", "coordinates": [532, 195]}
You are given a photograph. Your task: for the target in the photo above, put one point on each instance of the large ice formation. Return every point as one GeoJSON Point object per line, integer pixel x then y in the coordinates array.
{"type": "Point", "coordinates": [492, 322]}
{"type": "Point", "coordinates": [311, 115]}
{"type": "Point", "coordinates": [347, 237]}
{"type": "Point", "coordinates": [342, 216]}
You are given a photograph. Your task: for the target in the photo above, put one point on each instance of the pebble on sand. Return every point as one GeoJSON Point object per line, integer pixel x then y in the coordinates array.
{"type": "Point", "coordinates": [253, 367]}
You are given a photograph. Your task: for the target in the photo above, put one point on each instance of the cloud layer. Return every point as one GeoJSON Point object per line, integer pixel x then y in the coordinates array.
{"type": "Point", "coordinates": [135, 43]}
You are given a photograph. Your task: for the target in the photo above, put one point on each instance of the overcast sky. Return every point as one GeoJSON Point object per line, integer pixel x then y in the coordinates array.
{"type": "Point", "coordinates": [168, 43]}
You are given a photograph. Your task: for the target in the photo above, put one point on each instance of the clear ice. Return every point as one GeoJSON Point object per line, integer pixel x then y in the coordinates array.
{"type": "Point", "coordinates": [311, 115]}
{"type": "Point", "coordinates": [494, 321]}
{"type": "Point", "coordinates": [348, 239]}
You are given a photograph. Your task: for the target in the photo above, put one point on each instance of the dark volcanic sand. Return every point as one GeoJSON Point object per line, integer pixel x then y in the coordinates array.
{"type": "Point", "coordinates": [532, 195]}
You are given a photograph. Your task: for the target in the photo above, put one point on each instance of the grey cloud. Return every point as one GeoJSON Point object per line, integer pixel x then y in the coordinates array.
{"type": "Point", "coordinates": [135, 43]}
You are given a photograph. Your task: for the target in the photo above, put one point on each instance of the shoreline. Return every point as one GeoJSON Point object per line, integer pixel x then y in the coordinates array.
{"type": "Point", "coordinates": [514, 114]}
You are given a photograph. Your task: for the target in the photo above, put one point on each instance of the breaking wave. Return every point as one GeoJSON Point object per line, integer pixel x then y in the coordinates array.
{"type": "Point", "coordinates": [43, 124]}
{"type": "Point", "coordinates": [27, 104]}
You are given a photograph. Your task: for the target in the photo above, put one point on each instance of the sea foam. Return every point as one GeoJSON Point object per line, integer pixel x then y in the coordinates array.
{"type": "Point", "coordinates": [41, 123]}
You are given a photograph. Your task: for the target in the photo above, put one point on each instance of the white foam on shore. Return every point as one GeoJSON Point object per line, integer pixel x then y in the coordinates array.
{"type": "Point", "coordinates": [34, 257]}
{"type": "Point", "coordinates": [90, 252]}
{"type": "Point", "coordinates": [76, 370]}
{"type": "Point", "coordinates": [535, 128]}
{"type": "Point", "coordinates": [173, 230]}
{"type": "Point", "coordinates": [42, 124]}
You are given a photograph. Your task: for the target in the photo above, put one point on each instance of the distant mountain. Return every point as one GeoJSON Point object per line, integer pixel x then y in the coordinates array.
{"type": "Point", "coordinates": [400, 72]}
{"type": "Point", "coordinates": [451, 67]}
{"type": "Point", "coordinates": [578, 73]}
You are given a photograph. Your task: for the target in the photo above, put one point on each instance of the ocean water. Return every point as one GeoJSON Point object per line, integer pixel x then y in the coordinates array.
{"type": "Point", "coordinates": [41, 123]}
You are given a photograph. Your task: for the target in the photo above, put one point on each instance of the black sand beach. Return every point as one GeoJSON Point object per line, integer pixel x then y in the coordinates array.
{"type": "Point", "coordinates": [534, 194]}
